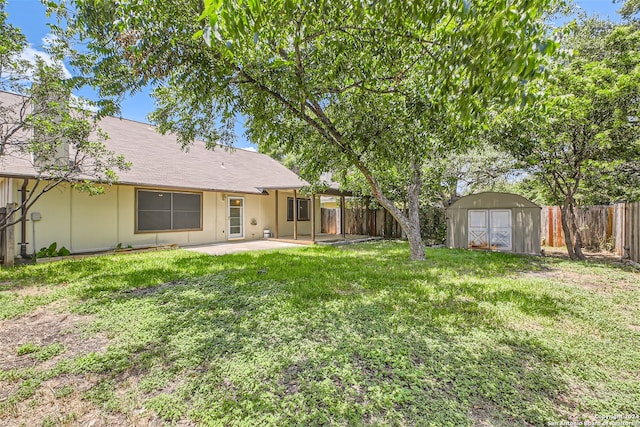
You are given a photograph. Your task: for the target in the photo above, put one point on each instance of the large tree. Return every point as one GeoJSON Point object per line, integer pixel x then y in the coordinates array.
{"type": "Point", "coordinates": [630, 8]}
{"type": "Point", "coordinates": [41, 122]}
{"type": "Point", "coordinates": [343, 84]}
{"type": "Point", "coordinates": [587, 126]}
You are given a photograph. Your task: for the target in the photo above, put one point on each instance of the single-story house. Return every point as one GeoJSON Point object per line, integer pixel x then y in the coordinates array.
{"type": "Point", "coordinates": [494, 221]}
{"type": "Point", "coordinates": [168, 196]}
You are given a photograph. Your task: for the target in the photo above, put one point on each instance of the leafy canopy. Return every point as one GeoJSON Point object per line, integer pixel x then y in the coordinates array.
{"type": "Point", "coordinates": [586, 131]}
{"type": "Point", "coordinates": [343, 84]}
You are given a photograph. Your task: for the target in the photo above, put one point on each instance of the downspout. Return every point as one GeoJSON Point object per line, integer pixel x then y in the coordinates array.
{"type": "Point", "coordinates": [23, 219]}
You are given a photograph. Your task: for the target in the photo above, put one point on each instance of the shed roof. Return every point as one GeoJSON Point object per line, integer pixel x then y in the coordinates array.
{"type": "Point", "coordinates": [158, 161]}
{"type": "Point", "coordinates": [492, 200]}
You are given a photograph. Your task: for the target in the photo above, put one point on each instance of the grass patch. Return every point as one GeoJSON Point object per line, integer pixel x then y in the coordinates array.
{"type": "Point", "coordinates": [64, 391]}
{"type": "Point", "coordinates": [103, 395]}
{"type": "Point", "coordinates": [40, 353]}
{"type": "Point", "coordinates": [27, 348]}
{"type": "Point", "coordinates": [342, 336]}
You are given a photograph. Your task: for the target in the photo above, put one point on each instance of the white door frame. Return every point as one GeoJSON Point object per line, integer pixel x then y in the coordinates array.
{"type": "Point", "coordinates": [504, 234]}
{"type": "Point", "coordinates": [478, 236]}
{"type": "Point", "coordinates": [231, 235]}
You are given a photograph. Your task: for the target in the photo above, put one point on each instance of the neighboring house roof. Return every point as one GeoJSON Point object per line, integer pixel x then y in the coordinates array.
{"type": "Point", "coordinates": [333, 188]}
{"type": "Point", "coordinates": [158, 161]}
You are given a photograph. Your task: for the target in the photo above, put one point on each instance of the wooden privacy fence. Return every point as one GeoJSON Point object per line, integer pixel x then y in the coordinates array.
{"type": "Point", "coordinates": [3, 234]}
{"type": "Point", "coordinates": [379, 222]}
{"type": "Point", "coordinates": [372, 222]}
{"type": "Point", "coordinates": [615, 228]}
{"type": "Point", "coordinates": [595, 224]}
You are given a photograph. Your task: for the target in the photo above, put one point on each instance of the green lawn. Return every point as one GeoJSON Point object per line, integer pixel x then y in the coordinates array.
{"type": "Point", "coordinates": [358, 335]}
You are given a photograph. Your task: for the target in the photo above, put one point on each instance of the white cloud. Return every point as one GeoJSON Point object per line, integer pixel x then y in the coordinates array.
{"type": "Point", "coordinates": [49, 40]}
{"type": "Point", "coordinates": [83, 104]}
{"type": "Point", "coordinates": [254, 149]}
{"type": "Point", "coordinates": [30, 54]}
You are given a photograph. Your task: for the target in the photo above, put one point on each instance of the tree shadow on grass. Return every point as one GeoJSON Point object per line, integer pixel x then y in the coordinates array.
{"type": "Point", "coordinates": [324, 342]}
{"type": "Point", "coordinates": [325, 335]}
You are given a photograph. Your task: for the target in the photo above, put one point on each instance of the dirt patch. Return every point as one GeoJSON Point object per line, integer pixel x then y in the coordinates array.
{"type": "Point", "coordinates": [42, 328]}
{"type": "Point", "coordinates": [26, 342]}
{"type": "Point", "coordinates": [561, 252]}
{"type": "Point", "coordinates": [586, 281]}
{"type": "Point", "coordinates": [28, 290]}
{"type": "Point", "coordinates": [60, 401]}
{"type": "Point", "coordinates": [484, 413]}
{"type": "Point", "coordinates": [66, 399]}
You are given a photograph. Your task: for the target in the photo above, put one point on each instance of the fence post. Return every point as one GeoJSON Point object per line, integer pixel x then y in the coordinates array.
{"type": "Point", "coordinates": [634, 231]}
{"type": "Point", "coordinates": [3, 212]}
{"type": "Point", "coordinates": [610, 217]}
{"type": "Point", "coordinates": [550, 226]}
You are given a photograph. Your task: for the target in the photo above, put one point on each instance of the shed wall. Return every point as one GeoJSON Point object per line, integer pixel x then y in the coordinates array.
{"type": "Point", "coordinates": [526, 230]}
{"type": "Point", "coordinates": [525, 226]}
{"type": "Point", "coordinates": [457, 221]}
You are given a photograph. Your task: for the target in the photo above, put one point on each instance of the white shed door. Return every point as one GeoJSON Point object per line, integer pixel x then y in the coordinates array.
{"type": "Point", "coordinates": [490, 229]}
{"type": "Point", "coordinates": [478, 229]}
{"type": "Point", "coordinates": [500, 235]}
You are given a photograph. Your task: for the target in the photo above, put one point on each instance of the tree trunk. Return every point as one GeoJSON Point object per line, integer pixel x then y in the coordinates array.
{"type": "Point", "coordinates": [409, 223]}
{"type": "Point", "coordinates": [577, 238]}
{"type": "Point", "coordinates": [572, 237]}
{"type": "Point", "coordinates": [567, 231]}
{"type": "Point", "coordinates": [413, 196]}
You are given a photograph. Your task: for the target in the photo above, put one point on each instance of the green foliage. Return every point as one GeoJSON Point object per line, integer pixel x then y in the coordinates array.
{"type": "Point", "coordinates": [470, 338]}
{"type": "Point", "coordinates": [582, 141]}
{"type": "Point", "coordinates": [52, 251]}
{"type": "Point", "coordinates": [11, 41]}
{"type": "Point", "coordinates": [49, 352]}
{"type": "Point", "coordinates": [63, 392]}
{"type": "Point", "coordinates": [103, 396]}
{"type": "Point", "coordinates": [27, 348]}
{"type": "Point", "coordinates": [630, 8]}
{"type": "Point", "coordinates": [40, 353]}
{"type": "Point", "coordinates": [44, 124]}
{"type": "Point", "coordinates": [372, 88]}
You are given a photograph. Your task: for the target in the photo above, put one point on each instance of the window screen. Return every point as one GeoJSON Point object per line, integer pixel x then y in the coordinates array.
{"type": "Point", "coordinates": [303, 209]}
{"type": "Point", "coordinates": [289, 209]}
{"type": "Point", "coordinates": [166, 211]}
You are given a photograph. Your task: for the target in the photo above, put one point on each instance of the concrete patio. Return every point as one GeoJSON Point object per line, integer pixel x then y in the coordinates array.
{"type": "Point", "coordinates": [324, 239]}
{"type": "Point", "coordinates": [240, 246]}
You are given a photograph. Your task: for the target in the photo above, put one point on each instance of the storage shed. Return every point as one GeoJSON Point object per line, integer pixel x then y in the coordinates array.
{"type": "Point", "coordinates": [494, 221]}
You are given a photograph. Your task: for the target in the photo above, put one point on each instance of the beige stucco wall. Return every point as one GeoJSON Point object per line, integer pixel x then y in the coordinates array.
{"type": "Point", "coordinates": [6, 191]}
{"type": "Point", "coordinates": [84, 223]}
{"type": "Point", "coordinates": [55, 226]}
{"type": "Point", "coordinates": [285, 227]}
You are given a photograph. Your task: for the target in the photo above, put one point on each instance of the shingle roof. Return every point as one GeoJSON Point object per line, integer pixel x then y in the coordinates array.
{"type": "Point", "coordinates": [158, 161]}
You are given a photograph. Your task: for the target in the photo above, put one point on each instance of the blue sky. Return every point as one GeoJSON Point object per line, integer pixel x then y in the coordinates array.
{"type": "Point", "coordinates": [30, 16]}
